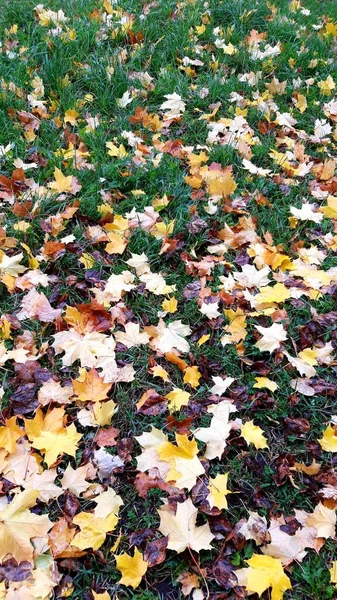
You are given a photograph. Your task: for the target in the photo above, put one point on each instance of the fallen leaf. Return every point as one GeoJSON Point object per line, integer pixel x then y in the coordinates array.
{"type": "Point", "coordinates": [181, 528]}
{"type": "Point", "coordinates": [133, 568]}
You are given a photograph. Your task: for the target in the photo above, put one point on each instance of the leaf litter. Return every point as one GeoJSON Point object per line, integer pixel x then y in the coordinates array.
{"type": "Point", "coordinates": [168, 238]}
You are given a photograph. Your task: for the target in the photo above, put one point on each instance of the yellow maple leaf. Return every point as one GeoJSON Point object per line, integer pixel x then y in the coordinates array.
{"type": "Point", "coordinates": [330, 29]}
{"type": "Point", "coordinates": [158, 371]}
{"type": "Point", "coordinates": [185, 448]}
{"type": "Point", "coordinates": [264, 572]}
{"type": "Point", "coordinates": [92, 388]}
{"type": "Point", "coordinates": [265, 382]}
{"type": "Point", "coordinates": [118, 152]}
{"type": "Point", "coordinates": [18, 526]}
{"type": "Point", "coordinates": [116, 244]}
{"type": "Point", "coordinates": [192, 376]}
{"type": "Point", "coordinates": [327, 85]}
{"type": "Point", "coordinates": [221, 184]}
{"type": "Point", "coordinates": [162, 230]}
{"type": "Point", "coordinates": [309, 356]}
{"type": "Point", "coordinates": [218, 491]}
{"type": "Point", "coordinates": [329, 440]}
{"type": "Point", "coordinates": [203, 339]}
{"type": "Point", "coordinates": [333, 572]}
{"type": "Point", "coordinates": [253, 434]}
{"type": "Point", "coordinates": [87, 260]}
{"type": "Point", "coordinates": [330, 211]}
{"type": "Point", "coordinates": [279, 293]}
{"type": "Point", "coordinates": [93, 530]}
{"type": "Point", "coordinates": [53, 444]}
{"type": "Point", "coordinates": [177, 398]}
{"type": "Point", "coordinates": [237, 326]}
{"type": "Point", "coordinates": [132, 568]}
{"type": "Point", "coordinates": [170, 305]}
{"type": "Point", "coordinates": [9, 434]}
{"type": "Point", "coordinates": [62, 183]}
{"type": "Point", "coordinates": [119, 225]}
{"type": "Point", "coordinates": [301, 103]}
{"type": "Point", "coordinates": [22, 226]}
{"type": "Point", "coordinates": [70, 116]}
{"type": "Point", "coordinates": [50, 436]}
{"type": "Point", "coordinates": [103, 596]}
{"type": "Point", "coordinates": [102, 412]}
{"type": "Point", "coordinates": [200, 29]}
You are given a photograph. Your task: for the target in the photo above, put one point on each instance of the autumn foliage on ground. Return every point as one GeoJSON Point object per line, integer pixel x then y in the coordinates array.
{"type": "Point", "coordinates": [168, 282]}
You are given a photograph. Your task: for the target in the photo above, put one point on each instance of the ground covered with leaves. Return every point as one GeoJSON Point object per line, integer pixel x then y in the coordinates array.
{"type": "Point", "coordinates": [168, 283]}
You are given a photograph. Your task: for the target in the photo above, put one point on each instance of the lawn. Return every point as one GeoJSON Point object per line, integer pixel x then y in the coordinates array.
{"type": "Point", "coordinates": [168, 285]}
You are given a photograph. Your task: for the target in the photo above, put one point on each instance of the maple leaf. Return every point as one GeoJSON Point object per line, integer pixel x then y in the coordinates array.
{"type": "Point", "coordinates": [74, 479]}
{"type": "Point", "coordinates": [64, 183]}
{"type": "Point", "coordinates": [333, 572]}
{"type": "Point", "coordinates": [87, 348]}
{"type": "Point", "coordinates": [44, 484]}
{"type": "Point", "coordinates": [181, 528]}
{"type": "Point", "coordinates": [186, 466]}
{"type": "Point", "coordinates": [326, 86]}
{"type": "Point", "coordinates": [192, 376]}
{"type": "Point", "coordinates": [185, 448]}
{"type": "Point", "coordinates": [107, 502]}
{"type": "Point", "coordinates": [50, 436]}
{"type": "Point", "coordinates": [10, 434]}
{"type": "Point", "coordinates": [53, 444]}
{"type": "Point", "coordinates": [265, 382]}
{"type": "Point", "coordinates": [172, 336]}
{"type": "Point", "coordinates": [236, 328]}
{"type": "Point", "coordinates": [221, 385]}
{"type": "Point", "coordinates": [253, 434]}
{"type": "Point", "coordinates": [132, 336]}
{"type": "Point", "coordinates": [279, 293]}
{"type": "Point", "coordinates": [174, 105]}
{"type": "Point", "coordinates": [10, 265]}
{"type": "Point", "coordinates": [216, 434]}
{"type": "Point", "coordinates": [329, 440]}
{"type": "Point", "coordinates": [52, 391]}
{"type": "Point", "coordinates": [177, 398]}
{"type": "Point", "coordinates": [113, 150]}
{"type": "Point", "coordinates": [103, 596]}
{"type": "Point", "coordinates": [218, 491]}
{"type": "Point", "coordinates": [132, 568]}
{"type": "Point", "coordinates": [264, 572]}
{"type": "Point", "coordinates": [170, 305]}
{"type": "Point", "coordinates": [306, 213]}
{"type": "Point", "coordinates": [271, 337]}
{"type": "Point", "coordinates": [124, 100]}
{"type": "Point", "coordinates": [255, 528]}
{"type": "Point", "coordinates": [35, 305]}
{"type": "Point", "coordinates": [210, 309]}
{"type": "Point", "coordinates": [92, 388]}
{"type": "Point", "coordinates": [220, 183]}
{"type": "Point", "coordinates": [93, 530]}
{"type": "Point", "coordinates": [158, 371]}
{"type": "Point", "coordinates": [18, 526]}
{"type": "Point", "coordinates": [189, 582]}
{"type": "Point", "coordinates": [288, 548]}
{"type": "Point", "coordinates": [70, 116]}
{"type": "Point", "coordinates": [324, 520]}
{"type": "Point", "coordinates": [106, 463]}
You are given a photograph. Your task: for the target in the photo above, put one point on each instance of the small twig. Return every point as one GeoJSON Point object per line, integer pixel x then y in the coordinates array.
{"type": "Point", "coordinates": [200, 571]}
